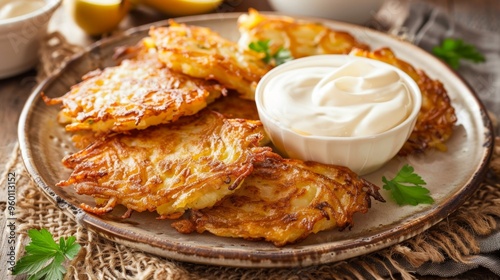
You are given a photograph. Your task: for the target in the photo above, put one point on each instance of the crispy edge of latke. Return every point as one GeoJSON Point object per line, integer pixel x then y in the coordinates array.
{"type": "Point", "coordinates": [343, 177]}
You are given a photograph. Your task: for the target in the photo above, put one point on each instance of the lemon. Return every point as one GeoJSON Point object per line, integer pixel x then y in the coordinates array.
{"type": "Point", "coordinates": [176, 8]}
{"type": "Point", "coordinates": [97, 17]}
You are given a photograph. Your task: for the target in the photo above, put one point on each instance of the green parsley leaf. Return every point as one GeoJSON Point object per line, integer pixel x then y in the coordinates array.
{"type": "Point", "coordinates": [44, 258]}
{"type": "Point", "coordinates": [406, 188]}
{"type": "Point", "coordinates": [453, 50]}
{"type": "Point", "coordinates": [281, 56]}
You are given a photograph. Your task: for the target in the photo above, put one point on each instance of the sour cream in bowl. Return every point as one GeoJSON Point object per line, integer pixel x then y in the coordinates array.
{"type": "Point", "coordinates": [338, 109]}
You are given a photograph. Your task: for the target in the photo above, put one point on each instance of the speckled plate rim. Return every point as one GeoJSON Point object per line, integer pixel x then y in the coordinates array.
{"type": "Point", "coordinates": [277, 257]}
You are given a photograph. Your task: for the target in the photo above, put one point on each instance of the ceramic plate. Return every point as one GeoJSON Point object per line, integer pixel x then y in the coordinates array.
{"type": "Point", "coordinates": [451, 176]}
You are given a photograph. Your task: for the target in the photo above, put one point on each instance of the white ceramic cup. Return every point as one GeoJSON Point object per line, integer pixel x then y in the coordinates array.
{"type": "Point", "coordinates": [362, 154]}
{"type": "Point", "coordinates": [20, 39]}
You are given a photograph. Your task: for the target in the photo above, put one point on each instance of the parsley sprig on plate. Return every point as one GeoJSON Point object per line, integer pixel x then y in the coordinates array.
{"type": "Point", "coordinates": [44, 258]}
{"type": "Point", "coordinates": [452, 51]}
{"type": "Point", "coordinates": [407, 187]}
{"type": "Point", "coordinates": [281, 56]}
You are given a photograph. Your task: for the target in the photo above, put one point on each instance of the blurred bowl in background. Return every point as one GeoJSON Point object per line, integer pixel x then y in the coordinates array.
{"type": "Point", "coordinates": [352, 11]}
{"type": "Point", "coordinates": [23, 24]}
{"type": "Point", "coordinates": [178, 8]}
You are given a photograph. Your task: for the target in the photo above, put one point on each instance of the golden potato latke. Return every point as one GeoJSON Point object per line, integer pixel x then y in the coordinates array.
{"type": "Point", "coordinates": [138, 93]}
{"type": "Point", "coordinates": [202, 53]}
{"type": "Point", "coordinates": [192, 163]}
{"type": "Point", "coordinates": [285, 200]}
{"type": "Point", "coordinates": [302, 38]}
{"type": "Point", "coordinates": [436, 118]}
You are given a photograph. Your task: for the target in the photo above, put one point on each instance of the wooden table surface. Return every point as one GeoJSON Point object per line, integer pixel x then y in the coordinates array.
{"type": "Point", "coordinates": [478, 14]}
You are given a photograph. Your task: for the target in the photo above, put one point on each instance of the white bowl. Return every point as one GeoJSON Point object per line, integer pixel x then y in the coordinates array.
{"type": "Point", "coordinates": [362, 154]}
{"type": "Point", "coordinates": [20, 39]}
{"type": "Point", "coordinates": [352, 11]}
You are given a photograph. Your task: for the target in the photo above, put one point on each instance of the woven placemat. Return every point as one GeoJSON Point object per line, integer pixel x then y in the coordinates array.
{"type": "Point", "coordinates": [454, 238]}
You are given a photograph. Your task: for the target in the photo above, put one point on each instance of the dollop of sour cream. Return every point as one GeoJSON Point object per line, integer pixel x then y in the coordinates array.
{"type": "Point", "coordinates": [355, 99]}
{"type": "Point", "coordinates": [11, 9]}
